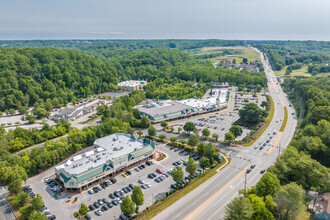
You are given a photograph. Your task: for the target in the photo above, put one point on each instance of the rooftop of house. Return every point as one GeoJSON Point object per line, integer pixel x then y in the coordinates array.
{"type": "Point", "coordinates": [106, 148]}
{"type": "Point", "coordinates": [322, 203]}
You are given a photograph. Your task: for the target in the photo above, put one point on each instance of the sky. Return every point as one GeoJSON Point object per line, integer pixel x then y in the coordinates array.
{"type": "Point", "coordinates": [165, 19]}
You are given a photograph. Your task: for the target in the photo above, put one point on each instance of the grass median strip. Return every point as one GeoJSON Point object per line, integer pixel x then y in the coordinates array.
{"type": "Point", "coordinates": [265, 125]}
{"type": "Point", "coordinates": [157, 208]}
{"type": "Point", "coordinates": [285, 119]}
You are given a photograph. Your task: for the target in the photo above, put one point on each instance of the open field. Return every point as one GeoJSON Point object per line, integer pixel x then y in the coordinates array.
{"type": "Point", "coordinates": [247, 52]}
{"type": "Point", "coordinates": [300, 72]}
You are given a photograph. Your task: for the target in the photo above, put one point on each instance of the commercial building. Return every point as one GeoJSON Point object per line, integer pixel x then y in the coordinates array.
{"type": "Point", "coordinates": [111, 155]}
{"type": "Point", "coordinates": [167, 110]}
{"type": "Point", "coordinates": [132, 84]}
{"type": "Point", "coordinates": [75, 112]}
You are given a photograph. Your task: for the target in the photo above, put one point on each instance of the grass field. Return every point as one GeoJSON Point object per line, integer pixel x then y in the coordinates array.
{"type": "Point", "coordinates": [285, 119]}
{"type": "Point", "coordinates": [265, 126]}
{"type": "Point", "coordinates": [300, 72]}
{"type": "Point", "coordinates": [247, 52]}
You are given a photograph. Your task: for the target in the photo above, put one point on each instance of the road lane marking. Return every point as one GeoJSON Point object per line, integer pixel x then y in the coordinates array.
{"type": "Point", "coordinates": [200, 207]}
{"type": "Point", "coordinates": [277, 140]}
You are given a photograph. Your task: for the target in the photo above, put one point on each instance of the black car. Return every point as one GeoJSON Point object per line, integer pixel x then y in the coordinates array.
{"type": "Point", "coordinates": [129, 172]}
{"type": "Point", "coordinates": [109, 204]}
{"type": "Point", "coordinates": [262, 171]}
{"type": "Point", "coordinates": [27, 189]}
{"type": "Point", "coordinates": [91, 208]}
{"type": "Point", "coordinates": [248, 170]}
{"type": "Point", "coordinates": [104, 200]}
{"type": "Point", "coordinates": [123, 217]}
{"type": "Point", "coordinates": [128, 189]}
{"type": "Point", "coordinates": [115, 203]}
{"type": "Point", "coordinates": [52, 217]}
{"type": "Point", "coordinates": [117, 194]}
{"type": "Point", "coordinates": [104, 208]}
{"type": "Point", "coordinates": [151, 176]}
{"type": "Point", "coordinates": [112, 196]}
{"type": "Point", "coordinates": [113, 180]}
{"type": "Point", "coordinates": [131, 185]}
{"type": "Point", "coordinates": [171, 148]}
{"type": "Point", "coordinates": [253, 166]}
{"type": "Point", "coordinates": [173, 186]}
{"type": "Point", "coordinates": [96, 190]}
{"type": "Point", "coordinates": [125, 190]}
{"type": "Point", "coordinates": [175, 163]}
{"type": "Point", "coordinates": [88, 217]}
{"type": "Point", "coordinates": [103, 185]}
{"type": "Point", "coordinates": [96, 204]}
{"type": "Point", "coordinates": [107, 184]}
{"type": "Point", "coordinates": [143, 166]}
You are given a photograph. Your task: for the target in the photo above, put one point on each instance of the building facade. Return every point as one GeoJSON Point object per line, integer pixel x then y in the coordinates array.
{"type": "Point", "coordinates": [111, 155]}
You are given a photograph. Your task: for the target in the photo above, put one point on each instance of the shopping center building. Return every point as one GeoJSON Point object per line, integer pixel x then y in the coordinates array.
{"type": "Point", "coordinates": [167, 110]}
{"type": "Point", "coordinates": [111, 155]}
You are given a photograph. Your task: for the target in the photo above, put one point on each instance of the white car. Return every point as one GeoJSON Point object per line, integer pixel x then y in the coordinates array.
{"type": "Point", "coordinates": [148, 185]}
{"type": "Point", "coordinates": [91, 191]}
{"type": "Point", "coordinates": [98, 212]}
{"type": "Point", "coordinates": [141, 181]}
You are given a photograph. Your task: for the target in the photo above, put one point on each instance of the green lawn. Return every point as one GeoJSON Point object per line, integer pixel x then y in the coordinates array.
{"type": "Point", "coordinates": [285, 119]}
{"type": "Point", "coordinates": [300, 72]}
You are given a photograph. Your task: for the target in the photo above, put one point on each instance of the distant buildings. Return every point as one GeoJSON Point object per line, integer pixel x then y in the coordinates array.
{"type": "Point", "coordinates": [167, 110]}
{"type": "Point", "coordinates": [111, 155]}
{"type": "Point", "coordinates": [248, 67]}
{"type": "Point", "coordinates": [132, 84]}
{"type": "Point", "coordinates": [75, 112]}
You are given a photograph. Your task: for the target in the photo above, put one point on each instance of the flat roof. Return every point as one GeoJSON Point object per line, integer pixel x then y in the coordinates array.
{"type": "Point", "coordinates": [162, 107]}
{"type": "Point", "coordinates": [106, 148]}
{"type": "Point", "coordinates": [132, 83]}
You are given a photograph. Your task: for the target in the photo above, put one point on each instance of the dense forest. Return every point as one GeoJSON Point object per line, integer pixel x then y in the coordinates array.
{"type": "Point", "coordinates": [295, 54]}
{"type": "Point", "coordinates": [54, 77]}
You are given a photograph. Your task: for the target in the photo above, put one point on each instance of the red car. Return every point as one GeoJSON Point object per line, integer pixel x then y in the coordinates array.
{"type": "Point", "coordinates": [159, 171]}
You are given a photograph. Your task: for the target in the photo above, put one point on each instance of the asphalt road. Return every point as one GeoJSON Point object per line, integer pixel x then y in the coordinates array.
{"type": "Point", "coordinates": [6, 212]}
{"type": "Point", "coordinates": [210, 199]}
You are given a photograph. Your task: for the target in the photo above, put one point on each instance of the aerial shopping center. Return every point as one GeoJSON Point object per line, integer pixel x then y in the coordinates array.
{"type": "Point", "coordinates": [167, 110]}
{"type": "Point", "coordinates": [111, 155]}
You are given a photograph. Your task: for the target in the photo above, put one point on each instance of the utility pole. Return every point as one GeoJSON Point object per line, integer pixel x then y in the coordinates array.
{"type": "Point", "coordinates": [245, 183]}
{"type": "Point", "coordinates": [279, 150]}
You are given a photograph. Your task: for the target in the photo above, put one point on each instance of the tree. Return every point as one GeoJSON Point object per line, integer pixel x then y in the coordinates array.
{"type": "Point", "coordinates": [193, 140]}
{"type": "Point", "coordinates": [239, 208]}
{"type": "Point", "coordinates": [234, 61]}
{"type": "Point", "coordinates": [31, 119]}
{"type": "Point", "coordinates": [21, 199]}
{"type": "Point", "coordinates": [260, 209]}
{"type": "Point", "coordinates": [264, 104]}
{"type": "Point", "coordinates": [26, 212]}
{"type": "Point", "coordinates": [14, 186]}
{"type": "Point", "coordinates": [191, 166]}
{"type": "Point", "coordinates": [229, 137]}
{"type": "Point", "coordinates": [136, 113]}
{"type": "Point", "coordinates": [172, 128]}
{"type": "Point", "coordinates": [23, 109]}
{"type": "Point", "coordinates": [236, 130]}
{"type": "Point", "coordinates": [209, 151]}
{"type": "Point", "coordinates": [206, 132]}
{"type": "Point", "coordinates": [152, 131]}
{"type": "Point", "coordinates": [201, 148]}
{"type": "Point", "coordinates": [245, 60]}
{"type": "Point", "coordinates": [183, 141]}
{"type": "Point", "coordinates": [289, 200]}
{"type": "Point", "coordinates": [145, 122]}
{"type": "Point", "coordinates": [204, 163]}
{"type": "Point", "coordinates": [139, 132]}
{"type": "Point", "coordinates": [189, 127]}
{"type": "Point", "coordinates": [173, 139]}
{"type": "Point", "coordinates": [83, 209]}
{"type": "Point", "coordinates": [267, 185]}
{"type": "Point", "coordinates": [164, 124]}
{"type": "Point", "coordinates": [127, 206]}
{"type": "Point", "coordinates": [288, 70]}
{"type": "Point", "coordinates": [37, 202]}
{"type": "Point", "coordinates": [215, 137]}
{"type": "Point", "coordinates": [177, 174]}
{"type": "Point", "coordinates": [162, 137]}
{"type": "Point", "coordinates": [37, 216]}
{"type": "Point", "coordinates": [137, 196]}
{"type": "Point", "coordinates": [252, 114]}
{"type": "Point", "coordinates": [179, 130]}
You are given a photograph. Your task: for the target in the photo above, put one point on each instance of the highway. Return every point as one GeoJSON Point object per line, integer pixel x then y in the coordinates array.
{"type": "Point", "coordinates": [209, 200]}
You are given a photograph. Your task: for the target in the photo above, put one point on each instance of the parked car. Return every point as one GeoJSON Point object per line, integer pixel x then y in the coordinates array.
{"type": "Point", "coordinates": [129, 172]}
{"type": "Point", "coordinates": [113, 180]}
{"type": "Point", "coordinates": [104, 200]}
{"type": "Point", "coordinates": [262, 171]}
{"type": "Point", "coordinates": [88, 217]}
{"type": "Point", "coordinates": [98, 212]}
{"type": "Point", "coordinates": [96, 204]}
{"type": "Point", "coordinates": [112, 196]}
{"type": "Point", "coordinates": [91, 208]}
{"type": "Point", "coordinates": [141, 181]}
{"type": "Point", "coordinates": [131, 185]}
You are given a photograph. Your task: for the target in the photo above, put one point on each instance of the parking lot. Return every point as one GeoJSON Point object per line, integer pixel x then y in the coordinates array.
{"type": "Point", "coordinates": [152, 192]}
